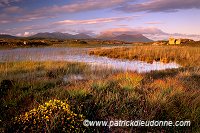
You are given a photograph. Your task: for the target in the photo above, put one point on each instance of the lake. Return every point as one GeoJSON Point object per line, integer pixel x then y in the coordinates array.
{"type": "Point", "coordinates": [80, 55]}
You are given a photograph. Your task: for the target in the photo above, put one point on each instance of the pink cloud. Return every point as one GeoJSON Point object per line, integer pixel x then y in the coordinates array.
{"type": "Point", "coordinates": [54, 11]}
{"type": "Point", "coordinates": [138, 30]}
{"type": "Point", "coordinates": [150, 32]}
{"type": "Point", "coordinates": [95, 21]}
{"type": "Point", "coordinates": [154, 22]}
{"type": "Point", "coordinates": [13, 9]}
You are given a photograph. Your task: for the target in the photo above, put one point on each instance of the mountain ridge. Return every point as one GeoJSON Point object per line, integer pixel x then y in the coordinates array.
{"type": "Point", "coordinates": [127, 38]}
{"type": "Point", "coordinates": [7, 36]}
{"type": "Point", "coordinates": [59, 35]}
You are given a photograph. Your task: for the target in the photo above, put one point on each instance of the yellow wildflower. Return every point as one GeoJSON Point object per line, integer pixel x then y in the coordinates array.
{"type": "Point", "coordinates": [47, 117]}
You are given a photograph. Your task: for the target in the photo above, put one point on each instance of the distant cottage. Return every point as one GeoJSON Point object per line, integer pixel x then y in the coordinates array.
{"type": "Point", "coordinates": [174, 41]}
{"type": "Point", "coordinates": [178, 41]}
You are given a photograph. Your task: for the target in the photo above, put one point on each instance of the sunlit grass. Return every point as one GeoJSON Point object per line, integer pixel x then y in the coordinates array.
{"type": "Point", "coordinates": [104, 95]}
{"type": "Point", "coordinates": [185, 56]}
{"type": "Point", "coordinates": [161, 90]}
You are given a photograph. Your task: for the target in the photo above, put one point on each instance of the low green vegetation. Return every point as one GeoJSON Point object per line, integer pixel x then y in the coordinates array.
{"type": "Point", "coordinates": [102, 94]}
{"type": "Point", "coordinates": [80, 43]}
{"type": "Point", "coordinates": [15, 43]}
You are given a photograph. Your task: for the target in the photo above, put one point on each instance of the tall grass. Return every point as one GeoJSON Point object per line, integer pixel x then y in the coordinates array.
{"type": "Point", "coordinates": [185, 56]}
{"type": "Point", "coordinates": [159, 95]}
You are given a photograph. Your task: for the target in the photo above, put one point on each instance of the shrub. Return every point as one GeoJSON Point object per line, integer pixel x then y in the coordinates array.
{"type": "Point", "coordinates": [53, 116]}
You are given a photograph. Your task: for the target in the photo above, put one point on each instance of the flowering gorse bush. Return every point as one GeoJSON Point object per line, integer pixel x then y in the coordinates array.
{"type": "Point", "coordinates": [53, 116]}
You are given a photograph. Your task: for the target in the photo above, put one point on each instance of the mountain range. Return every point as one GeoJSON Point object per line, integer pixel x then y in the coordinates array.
{"type": "Point", "coordinates": [59, 35]}
{"type": "Point", "coordinates": [7, 36]}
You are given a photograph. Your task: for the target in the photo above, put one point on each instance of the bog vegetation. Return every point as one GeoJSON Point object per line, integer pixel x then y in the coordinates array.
{"type": "Point", "coordinates": [36, 98]}
{"type": "Point", "coordinates": [57, 96]}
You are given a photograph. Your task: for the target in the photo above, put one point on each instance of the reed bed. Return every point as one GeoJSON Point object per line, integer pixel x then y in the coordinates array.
{"type": "Point", "coordinates": [185, 55]}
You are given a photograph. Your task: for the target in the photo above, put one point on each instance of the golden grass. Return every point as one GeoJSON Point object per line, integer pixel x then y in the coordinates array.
{"type": "Point", "coordinates": [185, 56]}
{"type": "Point", "coordinates": [128, 80]}
{"type": "Point", "coordinates": [161, 90]}
{"type": "Point", "coordinates": [160, 95]}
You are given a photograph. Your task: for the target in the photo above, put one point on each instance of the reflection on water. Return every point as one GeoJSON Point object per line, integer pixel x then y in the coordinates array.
{"type": "Point", "coordinates": [79, 55]}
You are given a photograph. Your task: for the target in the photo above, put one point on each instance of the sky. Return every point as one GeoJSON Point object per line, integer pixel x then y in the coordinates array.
{"type": "Point", "coordinates": [156, 19]}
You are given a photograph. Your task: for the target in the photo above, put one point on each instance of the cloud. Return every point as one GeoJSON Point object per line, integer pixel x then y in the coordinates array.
{"type": "Point", "coordinates": [83, 6]}
{"type": "Point", "coordinates": [4, 21]}
{"type": "Point", "coordinates": [27, 33]}
{"type": "Point", "coordinates": [80, 6]}
{"type": "Point", "coordinates": [138, 30]}
{"type": "Point", "coordinates": [122, 25]}
{"type": "Point", "coordinates": [161, 6]}
{"type": "Point", "coordinates": [76, 26]}
{"type": "Point", "coordinates": [4, 18]}
{"type": "Point", "coordinates": [4, 3]}
{"type": "Point", "coordinates": [154, 22]}
{"type": "Point", "coordinates": [31, 17]}
{"type": "Point", "coordinates": [54, 11]}
{"type": "Point", "coordinates": [150, 32]}
{"type": "Point", "coordinates": [94, 21]}
{"type": "Point", "coordinates": [25, 30]}
{"type": "Point", "coordinates": [13, 9]}
{"type": "Point", "coordinates": [165, 37]}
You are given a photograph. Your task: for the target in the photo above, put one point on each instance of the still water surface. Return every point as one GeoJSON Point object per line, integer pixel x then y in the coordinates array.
{"type": "Point", "coordinates": [79, 55]}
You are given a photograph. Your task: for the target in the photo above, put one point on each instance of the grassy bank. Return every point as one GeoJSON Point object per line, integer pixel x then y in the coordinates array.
{"type": "Point", "coordinates": [185, 55]}
{"type": "Point", "coordinates": [101, 94]}
{"type": "Point", "coordinates": [77, 43]}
